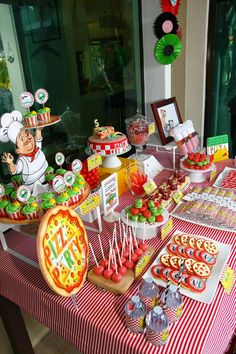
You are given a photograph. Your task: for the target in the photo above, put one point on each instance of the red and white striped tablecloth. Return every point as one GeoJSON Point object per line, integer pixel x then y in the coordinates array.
{"type": "Point", "coordinates": [97, 325]}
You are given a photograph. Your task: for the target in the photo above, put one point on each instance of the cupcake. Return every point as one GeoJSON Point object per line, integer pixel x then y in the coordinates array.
{"type": "Point", "coordinates": [60, 171]}
{"type": "Point", "coordinates": [30, 119]}
{"type": "Point", "coordinates": [77, 194]}
{"type": "Point", "coordinates": [16, 180]}
{"type": "Point", "coordinates": [13, 196]}
{"type": "Point", "coordinates": [44, 115]}
{"type": "Point", "coordinates": [13, 211]}
{"type": "Point", "coordinates": [8, 191]}
{"type": "Point", "coordinates": [46, 196]}
{"type": "Point", "coordinates": [3, 204]}
{"type": "Point", "coordinates": [73, 196]}
{"type": "Point", "coordinates": [30, 211]}
{"type": "Point", "coordinates": [48, 204]}
{"type": "Point", "coordinates": [49, 178]}
{"type": "Point", "coordinates": [49, 170]}
{"type": "Point", "coordinates": [63, 199]}
{"type": "Point", "coordinates": [31, 200]}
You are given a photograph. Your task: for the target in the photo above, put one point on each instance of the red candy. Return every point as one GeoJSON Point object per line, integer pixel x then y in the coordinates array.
{"type": "Point", "coordinates": [98, 270]}
{"type": "Point", "coordinates": [129, 264]}
{"type": "Point", "coordinates": [116, 277]}
{"type": "Point", "coordinates": [107, 273]}
{"type": "Point", "coordinates": [122, 270]}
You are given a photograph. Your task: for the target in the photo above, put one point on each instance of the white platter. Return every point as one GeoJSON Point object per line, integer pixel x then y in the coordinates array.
{"type": "Point", "coordinates": [213, 280]}
{"type": "Point", "coordinates": [197, 176]}
{"type": "Point", "coordinates": [222, 176]}
{"type": "Point", "coordinates": [145, 231]}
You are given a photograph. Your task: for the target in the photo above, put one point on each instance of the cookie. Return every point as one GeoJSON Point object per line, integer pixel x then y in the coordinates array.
{"type": "Point", "coordinates": [188, 263]}
{"type": "Point", "coordinates": [165, 273]}
{"type": "Point", "coordinates": [207, 258]}
{"type": "Point", "coordinates": [177, 239]}
{"type": "Point", "coordinates": [210, 247]}
{"type": "Point", "coordinates": [184, 239]}
{"type": "Point", "coordinates": [196, 284]}
{"type": "Point", "coordinates": [156, 269]}
{"type": "Point", "coordinates": [201, 270]}
{"type": "Point", "coordinates": [174, 262]}
{"type": "Point", "coordinates": [192, 241]}
{"type": "Point", "coordinates": [171, 247]}
{"type": "Point", "coordinates": [199, 244]}
{"type": "Point", "coordinates": [165, 259]}
{"type": "Point", "coordinates": [180, 251]}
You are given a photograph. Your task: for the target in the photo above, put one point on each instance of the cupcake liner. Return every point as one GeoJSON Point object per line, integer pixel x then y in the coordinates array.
{"type": "Point", "coordinates": [67, 203]}
{"type": "Point", "coordinates": [74, 199]}
{"type": "Point", "coordinates": [16, 215]}
{"type": "Point", "coordinates": [3, 213]}
{"type": "Point", "coordinates": [32, 121]}
{"type": "Point", "coordinates": [44, 117]}
{"type": "Point", "coordinates": [32, 216]}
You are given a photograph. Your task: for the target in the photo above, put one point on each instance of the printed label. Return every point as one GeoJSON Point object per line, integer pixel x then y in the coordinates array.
{"type": "Point", "coordinates": [91, 203]}
{"type": "Point", "coordinates": [165, 335]}
{"type": "Point", "coordinates": [142, 264]}
{"type": "Point", "coordinates": [59, 158]}
{"type": "Point", "coordinates": [151, 128]}
{"type": "Point", "coordinates": [149, 187]}
{"type": "Point", "coordinates": [228, 280]}
{"type": "Point", "coordinates": [177, 196]}
{"type": "Point", "coordinates": [166, 229]}
{"type": "Point", "coordinates": [94, 161]}
{"type": "Point", "coordinates": [41, 96]}
{"type": "Point", "coordinates": [26, 99]}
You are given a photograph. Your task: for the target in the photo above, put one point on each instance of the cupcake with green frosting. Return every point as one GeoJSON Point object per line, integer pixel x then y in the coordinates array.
{"type": "Point", "coordinates": [3, 204]}
{"type": "Point", "coordinates": [48, 204]}
{"type": "Point", "coordinates": [13, 211]}
{"type": "Point", "coordinates": [60, 171]}
{"type": "Point", "coordinates": [44, 115]}
{"type": "Point", "coordinates": [46, 196]}
{"type": "Point", "coordinates": [49, 178]}
{"type": "Point", "coordinates": [8, 191]}
{"type": "Point", "coordinates": [49, 170]}
{"type": "Point", "coordinates": [14, 196]}
{"type": "Point", "coordinates": [30, 119]}
{"type": "Point", "coordinates": [30, 211]}
{"type": "Point", "coordinates": [63, 199]}
{"type": "Point", "coordinates": [73, 196]}
{"type": "Point", "coordinates": [16, 180]}
{"type": "Point", "coordinates": [31, 200]}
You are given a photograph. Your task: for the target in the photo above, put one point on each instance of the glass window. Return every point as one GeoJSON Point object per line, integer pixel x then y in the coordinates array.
{"type": "Point", "coordinates": [86, 54]}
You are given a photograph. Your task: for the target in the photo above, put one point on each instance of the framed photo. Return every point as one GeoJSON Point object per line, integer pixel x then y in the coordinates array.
{"type": "Point", "coordinates": [110, 196]}
{"type": "Point", "coordinates": [167, 116]}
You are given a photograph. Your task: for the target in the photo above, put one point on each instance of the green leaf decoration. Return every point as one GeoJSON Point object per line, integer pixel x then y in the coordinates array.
{"type": "Point", "coordinates": [167, 49]}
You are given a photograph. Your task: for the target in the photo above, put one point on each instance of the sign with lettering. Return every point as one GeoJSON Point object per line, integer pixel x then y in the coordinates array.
{"type": "Point", "coordinates": [144, 260]}
{"type": "Point", "coordinates": [94, 161]}
{"type": "Point", "coordinates": [92, 202]}
{"type": "Point", "coordinates": [228, 280]}
{"type": "Point", "coordinates": [62, 249]}
{"type": "Point", "coordinates": [110, 198]}
{"type": "Point", "coordinates": [149, 187]}
{"type": "Point", "coordinates": [166, 229]}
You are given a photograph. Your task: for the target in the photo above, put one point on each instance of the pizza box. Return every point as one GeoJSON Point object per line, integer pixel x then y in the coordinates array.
{"type": "Point", "coordinates": [211, 283]}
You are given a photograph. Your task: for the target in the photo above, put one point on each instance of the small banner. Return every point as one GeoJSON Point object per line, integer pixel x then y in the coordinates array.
{"type": "Point", "coordinates": [177, 196]}
{"type": "Point", "coordinates": [149, 187]}
{"type": "Point", "coordinates": [94, 161]}
{"type": "Point", "coordinates": [166, 229]}
{"type": "Point", "coordinates": [142, 264]}
{"type": "Point", "coordinates": [92, 202]}
{"type": "Point", "coordinates": [228, 280]}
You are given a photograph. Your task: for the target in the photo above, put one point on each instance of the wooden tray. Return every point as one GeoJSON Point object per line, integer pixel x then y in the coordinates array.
{"type": "Point", "coordinates": [125, 283]}
{"type": "Point", "coordinates": [27, 221]}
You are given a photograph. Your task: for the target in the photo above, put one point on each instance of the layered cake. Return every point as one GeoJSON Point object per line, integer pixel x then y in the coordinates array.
{"type": "Point", "coordinates": [107, 142]}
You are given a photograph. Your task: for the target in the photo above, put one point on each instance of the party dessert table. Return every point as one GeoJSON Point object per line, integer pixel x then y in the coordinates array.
{"type": "Point", "coordinates": [97, 323]}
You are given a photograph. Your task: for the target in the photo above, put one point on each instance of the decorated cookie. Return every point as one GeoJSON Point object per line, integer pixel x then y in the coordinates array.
{"type": "Point", "coordinates": [174, 262]}
{"type": "Point", "coordinates": [184, 239]}
{"type": "Point", "coordinates": [184, 280]}
{"type": "Point", "coordinates": [165, 273]}
{"type": "Point", "coordinates": [199, 244]}
{"type": "Point", "coordinates": [156, 269]}
{"type": "Point", "coordinates": [189, 252]}
{"type": "Point", "coordinates": [207, 258]}
{"type": "Point", "coordinates": [197, 255]}
{"type": "Point", "coordinates": [171, 247]}
{"type": "Point", "coordinates": [177, 239]}
{"type": "Point", "coordinates": [165, 259]}
{"type": "Point", "coordinates": [181, 251]}
{"type": "Point", "coordinates": [189, 262]}
{"type": "Point", "coordinates": [210, 247]}
{"type": "Point", "coordinates": [174, 276]}
{"type": "Point", "coordinates": [192, 241]}
{"type": "Point", "coordinates": [196, 284]}
{"type": "Point", "coordinates": [201, 270]}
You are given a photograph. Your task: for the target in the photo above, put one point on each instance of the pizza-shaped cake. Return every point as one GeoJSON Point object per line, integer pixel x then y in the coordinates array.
{"type": "Point", "coordinates": [62, 249]}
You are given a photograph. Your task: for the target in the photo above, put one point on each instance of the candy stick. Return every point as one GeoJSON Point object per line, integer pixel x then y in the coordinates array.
{"type": "Point", "coordinates": [109, 258]}
{"type": "Point", "coordinates": [135, 239]}
{"type": "Point", "coordinates": [127, 218]}
{"type": "Point", "coordinates": [131, 241]}
{"type": "Point", "coordinates": [100, 242]}
{"type": "Point", "coordinates": [123, 246]}
{"type": "Point", "coordinates": [166, 292]}
{"type": "Point", "coordinates": [93, 254]}
{"type": "Point", "coordinates": [120, 231]}
{"type": "Point", "coordinates": [125, 234]}
{"type": "Point", "coordinates": [119, 256]}
{"type": "Point", "coordinates": [130, 251]}
{"type": "Point", "coordinates": [114, 257]}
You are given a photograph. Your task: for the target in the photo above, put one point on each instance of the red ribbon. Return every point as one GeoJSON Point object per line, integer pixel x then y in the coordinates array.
{"type": "Point", "coordinates": [32, 154]}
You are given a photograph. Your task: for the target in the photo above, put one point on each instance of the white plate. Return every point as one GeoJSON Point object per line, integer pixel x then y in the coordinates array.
{"type": "Point", "coordinates": [213, 280]}
{"type": "Point", "coordinates": [222, 176]}
{"type": "Point", "coordinates": [145, 231]}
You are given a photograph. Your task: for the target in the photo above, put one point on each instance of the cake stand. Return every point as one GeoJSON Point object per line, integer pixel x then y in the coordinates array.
{"type": "Point", "coordinates": [197, 176]}
{"type": "Point", "coordinates": [110, 161]}
{"type": "Point", "coordinates": [144, 231]}
{"type": "Point", "coordinates": [53, 120]}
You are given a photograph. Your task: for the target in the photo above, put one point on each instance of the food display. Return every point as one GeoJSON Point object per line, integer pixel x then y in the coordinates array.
{"type": "Point", "coordinates": [201, 260]}
{"type": "Point", "coordinates": [198, 161]}
{"type": "Point", "coordinates": [226, 179]}
{"type": "Point", "coordinates": [145, 212]}
{"type": "Point", "coordinates": [107, 142]}
{"type": "Point", "coordinates": [137, 130]}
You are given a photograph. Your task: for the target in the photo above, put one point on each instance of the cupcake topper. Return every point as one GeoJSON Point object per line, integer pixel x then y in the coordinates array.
{"type": "Point", "coordinates": [59, 158]}
{"type": "Point", "coordinates": [2, 191]}
{"type": "Point", "coordinates": [69, 178]}
{"type": "Point", "coordinates": [114, 258]}
{"type": "Point", "coordinates": [100, 242]}
{"type": "Point", "coordinates": [58, 184]}
{"type": "Point", "coordinates": [26, 100]}
{"type": "Point", "coordinates": [76, 166]}
{"type": "Point", "coordinates": [41, 96]}
{"type": "Point", "coordinates": [95, 259]}
{"type": "Point", "coordinates": [23, 193]}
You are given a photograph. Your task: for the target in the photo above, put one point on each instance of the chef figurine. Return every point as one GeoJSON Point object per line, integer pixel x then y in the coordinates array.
{"type": "Point", "coordinates": [31, 163]}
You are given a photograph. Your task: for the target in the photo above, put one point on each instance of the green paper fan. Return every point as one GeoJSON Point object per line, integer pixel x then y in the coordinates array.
{"type": "Point", "coordinates": [167, 49]}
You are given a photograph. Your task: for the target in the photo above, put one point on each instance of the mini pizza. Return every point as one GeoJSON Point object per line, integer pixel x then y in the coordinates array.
{"type": "Point", "coordinates": [177, 239]}
{"type": "Point", "coordinates": [184, 239]}
{"type": "Point", "coordinates": [199, 244]}
{"type": "Point", "coordinates": [155, 270]}
{"type": "Point", "coordinates": [207, 258]}
{"type": "Point", "coordinates": [192, 241]}
{"type": "Point", "coordinates": [196, 284]}
{"type": "Point", "coordinates": [188, 263]}
{"type": "Point", "coordinates": [201, 270]}
{"type": "Point", "coordinates": [181, 251]}
{"type": "Point", "coordinates": [62, 249]}
{"type": "Point", "coordinates": [174, 276]}
{"type": "Point", "coordinates": [165, 259]}
{"type": "Point", "coordinates": [210, 247]}
{"type": "Point", "coordinates": [189, 252]}
{"type": "Point", "coordinates": [171, 248]}
{"type": "Point", "coordinates": [165, 273]}
{"type": "Point", "coordinates": [184, 280]}
{"type": "Point", "coordinates": [174, 262]}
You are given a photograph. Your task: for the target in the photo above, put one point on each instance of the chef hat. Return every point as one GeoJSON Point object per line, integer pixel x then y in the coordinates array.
{"type": "Point", "coordinates": [11, 126]}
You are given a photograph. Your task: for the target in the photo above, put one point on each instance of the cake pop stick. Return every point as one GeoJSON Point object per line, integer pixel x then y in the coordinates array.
{"type": "Point", "coordinates": [100, 243]}
{"type": "Point", "coordinates": [104, 261]}
{"type": "Point", "coordinates": [98, 269]}
{"type": "Point", "coordinates": [131, 240]}
{"type": "Point", "coordinates": [116, 277]}
{"type": "Point", "coordinates": [108, 272]}
{"type": "Point", "coordinates": [129, 264]}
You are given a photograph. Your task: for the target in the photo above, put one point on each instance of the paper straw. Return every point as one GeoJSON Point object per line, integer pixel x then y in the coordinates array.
{"type": "Point", "coordinates": [123, 247]}
{"type": "Point", "coordinates": [130, 251]}
{"type": "Point", "coordinates": [125, 234]}
{"type": "Point", "coordinates": [118, 253]}
{"type": "Point", "coordinates": [131, 241]}
{"type": "Point", "coordinates": [166, 292]}
{"type": "Point", "coordinates": [100, 242]}
{"type": "Point", "coordinates": [93, 254]}
{"type": "Point", "coordinates": [109, 258]}
{"type": "Point", "coordinates": [180, 273]}
{"type": "Point", "coordinates": [120, 231]}
{"type": "Point", "coordinates": [114, 257]}
{"type": "Point", "coordinates": [135, 239]}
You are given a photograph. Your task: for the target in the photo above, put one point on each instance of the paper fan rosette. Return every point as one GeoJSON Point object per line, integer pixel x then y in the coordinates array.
{"type": "Point", "coordinates": [170, 6]}
{"type": "Point", "coordinates": [167, 49]}
{"type": "Point", "coordinates": [164, 24]}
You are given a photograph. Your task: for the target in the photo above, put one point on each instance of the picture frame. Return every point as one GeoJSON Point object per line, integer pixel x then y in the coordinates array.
{"type": "Point", "coordinates": [167, 116]}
